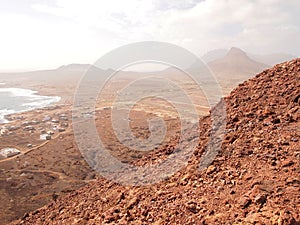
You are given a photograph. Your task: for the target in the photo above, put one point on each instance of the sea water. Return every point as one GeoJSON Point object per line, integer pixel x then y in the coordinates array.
{"type": "Point", "coordinates": [15, 100]}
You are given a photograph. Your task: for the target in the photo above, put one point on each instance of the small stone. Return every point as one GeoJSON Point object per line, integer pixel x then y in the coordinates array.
{"type": "Point", "coordinates": [185, 179]}
{"type": "Point", "coordinates": [132, 203]}
{"type": "Point", "coordinates": [260, 199]}
{"type": "Point", "coordinates": [210, 169]}
{"type": "Point", "coordinates": [245, 202]}
{"type": "Point", "coordinates": [287, 163]}
{"type": "Point", "coordinates": [248, 177]}
{"type": "Point", "coordinates": [220, 188]}
{"type": "Point", "coordinates": [192, 206]}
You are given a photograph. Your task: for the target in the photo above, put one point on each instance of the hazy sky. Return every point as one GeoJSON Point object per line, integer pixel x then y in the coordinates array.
{"type": "Point", "coordinates": [48, 33]}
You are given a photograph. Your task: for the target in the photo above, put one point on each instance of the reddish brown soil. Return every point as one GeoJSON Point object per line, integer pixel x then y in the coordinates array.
{"type": "Point", "coordinates": [52, 168]}
{"type": "Point", "coordinates": [255, 179]}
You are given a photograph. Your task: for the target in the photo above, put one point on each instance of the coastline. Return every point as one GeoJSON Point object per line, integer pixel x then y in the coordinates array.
{"type": "Point", "coordinates": [35, 101]}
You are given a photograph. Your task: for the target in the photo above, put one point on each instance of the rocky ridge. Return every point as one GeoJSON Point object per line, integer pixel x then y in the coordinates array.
{"type": "Point", "coordinates": [255, 179]}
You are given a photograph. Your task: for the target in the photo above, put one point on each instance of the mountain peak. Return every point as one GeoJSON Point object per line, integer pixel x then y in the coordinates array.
{"type": "Point", "coordinates": [234, 51]}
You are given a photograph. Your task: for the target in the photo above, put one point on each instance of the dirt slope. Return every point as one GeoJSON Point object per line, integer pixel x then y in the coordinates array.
{"type": "Point", "coordinates": [255, 179]}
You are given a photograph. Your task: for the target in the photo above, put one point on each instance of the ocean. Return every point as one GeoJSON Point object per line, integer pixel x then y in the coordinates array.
{"type": "Point", "coordinates": [16, 100]}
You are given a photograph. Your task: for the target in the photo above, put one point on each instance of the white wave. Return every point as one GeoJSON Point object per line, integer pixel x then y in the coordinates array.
{"type": "Point", "coordinates": [5, 112]}
{"type": "Point", "coordinates": [2, 83]}
{"type": "Point", "coordinates": [19, 92]}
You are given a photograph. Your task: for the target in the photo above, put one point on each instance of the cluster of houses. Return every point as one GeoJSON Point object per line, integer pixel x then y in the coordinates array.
{"type": "Point", "coordinates": [46, 127]}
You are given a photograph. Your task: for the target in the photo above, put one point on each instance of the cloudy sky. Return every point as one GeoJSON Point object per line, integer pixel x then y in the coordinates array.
{"type": "Point", "coordinates": [38, 34]}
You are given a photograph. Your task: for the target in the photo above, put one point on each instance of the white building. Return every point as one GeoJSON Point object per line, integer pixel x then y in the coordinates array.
{"type": "Point", "coordinates": [9, 152]}
{"type": "Point", "coordinates": [45, 137]}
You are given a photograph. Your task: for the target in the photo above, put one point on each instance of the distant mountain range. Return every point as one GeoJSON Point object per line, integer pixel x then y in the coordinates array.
{"type": "Point", "coordinates": [230, 68]}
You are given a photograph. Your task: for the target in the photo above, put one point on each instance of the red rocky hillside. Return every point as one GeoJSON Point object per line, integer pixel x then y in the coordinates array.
{"type": "Point", "coordinates": [255, 179]}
